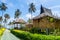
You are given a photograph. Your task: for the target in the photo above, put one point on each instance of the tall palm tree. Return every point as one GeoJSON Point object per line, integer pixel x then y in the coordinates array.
{"type": "Point", "coordinates": [1, 19]}
{"type": "Point", "coordinates": [17, 13]}
{"type": "Point", "coordinates": [32, 9]}
{"type": "Point", "coordinates": [3, 8]}
{"type": "Point", "coordinates": [6, 16]}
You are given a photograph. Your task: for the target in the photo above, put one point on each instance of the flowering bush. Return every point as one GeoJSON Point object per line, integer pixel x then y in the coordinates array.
{"type": "Point", "coordinates": [1, 31]}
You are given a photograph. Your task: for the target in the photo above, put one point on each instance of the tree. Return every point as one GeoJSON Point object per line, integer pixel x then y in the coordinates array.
{"type": "Point", "coordinates": [3, 8]}
{"type": "Point", "coordinates": [6, 16]}
{"type": "Point", "coordinates": [1, 20]}
{"type": "Point", "coordinates": [17, 13]}
{"type": "Point", "coordinates": [32, 9]}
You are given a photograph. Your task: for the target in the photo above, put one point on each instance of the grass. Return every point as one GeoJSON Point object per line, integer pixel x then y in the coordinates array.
{"type": "Point", "coordinates": [29, 36]}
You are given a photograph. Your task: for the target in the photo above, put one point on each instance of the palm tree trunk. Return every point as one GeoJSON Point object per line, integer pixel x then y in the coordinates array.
{"type": "Point", "coordinates": [2, 16]}
{"type": "Point", "coordinates": [31, 15]}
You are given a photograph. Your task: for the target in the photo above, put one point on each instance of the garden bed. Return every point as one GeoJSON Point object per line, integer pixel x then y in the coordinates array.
{"type": "Point", "coordinates": [29, 36]}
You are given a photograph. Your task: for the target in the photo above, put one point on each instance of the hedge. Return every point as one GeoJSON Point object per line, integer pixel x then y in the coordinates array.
{"type": "Point", "coordinates": [29, 36]}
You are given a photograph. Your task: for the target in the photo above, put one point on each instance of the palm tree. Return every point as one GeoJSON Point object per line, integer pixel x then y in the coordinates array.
{"type": "Point", "coordinates": [6, 18]}
{"type": "Point", "coordinates": [3, 8]}
{"type": "Point", "coordinates": [32, 9]}
{"type": "Point", "coordinates": [17, 13]}
{"type": "Point", "coordinates": [1, 19]}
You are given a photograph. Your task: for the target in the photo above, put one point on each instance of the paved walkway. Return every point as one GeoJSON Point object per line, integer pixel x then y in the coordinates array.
{"type": "Point", "coordinates": [8, 36]}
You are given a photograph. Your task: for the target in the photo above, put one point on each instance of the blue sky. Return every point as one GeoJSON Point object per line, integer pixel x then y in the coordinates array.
{"type": "Point", "coordinates": [23, 5]}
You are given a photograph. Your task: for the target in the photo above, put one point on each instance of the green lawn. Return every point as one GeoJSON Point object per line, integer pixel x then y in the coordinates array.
{"type": "Point", "coordinates": [29, 36]}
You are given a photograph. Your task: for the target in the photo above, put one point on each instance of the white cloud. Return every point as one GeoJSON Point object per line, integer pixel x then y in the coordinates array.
{"type": "Point", "coordinates": [29, 15]}
{"type": "Point", "coordinates": [21, 17]}
{"type": "Point", "coordinates": [55, 10]}
{"type": "Point", "coordinates": [11, 19]}
{"type": "Point", "coordinates": [56, 13]}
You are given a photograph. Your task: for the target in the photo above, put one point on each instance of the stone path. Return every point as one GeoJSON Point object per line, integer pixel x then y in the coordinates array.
{"type": "Point", "coordinates": [8, 36]}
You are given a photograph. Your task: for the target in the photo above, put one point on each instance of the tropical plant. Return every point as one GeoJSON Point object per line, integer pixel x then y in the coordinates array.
{"type": "Point", "coordinates": [32, 9]}
{"type": "Point", "coordinates": [6, 18]}
{"type": "Point", "coordinates": [1, 20]}
{"type": "Point", "coordinates": [3, 8]}
{"type": "Point", "coordinates": [17, 13]}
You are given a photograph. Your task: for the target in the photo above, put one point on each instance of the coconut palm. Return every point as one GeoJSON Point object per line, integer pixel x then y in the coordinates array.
{"type": "Point", "coordinates": [1, 20]}
{"type": "Point", "coordinates": [6, 16]}
{"type": "Point", "coordinates": [17, 13]}
{"type": "Point", "coordinates": [32, 9]}
{"type": "Point", "coordinates": [3, 8]}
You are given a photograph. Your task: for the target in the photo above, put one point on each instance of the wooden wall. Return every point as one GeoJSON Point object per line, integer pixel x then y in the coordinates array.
{"type": "Point", "coordinates": [44, 23]}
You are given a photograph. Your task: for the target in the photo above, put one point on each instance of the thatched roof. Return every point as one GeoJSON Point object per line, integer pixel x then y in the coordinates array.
{"type": "Point", "coordinates": [19, 21]}
{"type": "Point", "coordinates": [45, 12]}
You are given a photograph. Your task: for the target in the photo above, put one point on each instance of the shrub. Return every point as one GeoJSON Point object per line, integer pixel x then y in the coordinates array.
{"type": "Point", "coordinates": [36, 30]}
{"type": "Point", "coordinates": [29, 36]}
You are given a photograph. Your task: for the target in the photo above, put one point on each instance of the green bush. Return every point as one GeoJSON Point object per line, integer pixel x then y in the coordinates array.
{"type": "Point", "coordinates": [50, 19]}
{"type": "Point", "coordinates": [29, 36]}
{"type": "Point", "coordinates": [36, 30]}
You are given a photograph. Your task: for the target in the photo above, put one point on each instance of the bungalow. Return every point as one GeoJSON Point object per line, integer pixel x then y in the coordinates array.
{"type": "Point", "coordinates": [18, 23]}
{"type": "Point", "coordinates": [46, 19]}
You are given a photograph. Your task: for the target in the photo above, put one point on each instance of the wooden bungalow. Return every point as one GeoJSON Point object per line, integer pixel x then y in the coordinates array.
{"type": "Point", "coordinates": [46, 19]}
{"type": "Point", "coordinates": [18, 23]}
